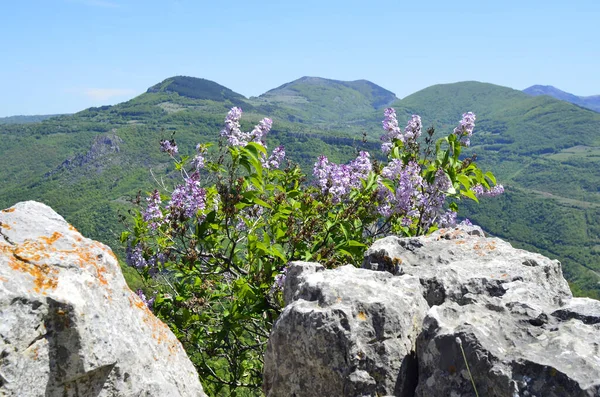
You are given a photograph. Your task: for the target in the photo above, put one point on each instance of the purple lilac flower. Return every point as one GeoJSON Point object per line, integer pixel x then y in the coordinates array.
{"type": "Point", "coordinates": [466, 222]}
{"type": "Point", "coordinates": [135, 257]}
{"type": "Point", "coordinates": [153, 214]}
{"type": "Point", "coordinates": [232, 130]}
{"type": "Point", "coordinates": [148, 302]}
{"type": "Point", "coordinates": [260, 130]}
{"type": "Point", "coordinates": [361, 165]}
{"type": "Point", "coordinates": [492, 192]}
{"type": "Point", "coordinates": [280, 280]}
{"type": "Point", "coordinates": [413, 129]}
{"type": "Point", "coordinates": [169, 147]}
{"type": "Point", "coordinates": [190, 198]}
{"type": "Point", "coordinates": [390, 125]}
{"type": "Point", "coordinates": [236, 137]}
{"type": "Point", "coordinates": [275, 158]}
{"type": "Point", "coordinates": [478, 190]}
{"type": "Point", "coordinates": [447, 219]}
{"type": "Point", "coordinates": [404, 199]}
{"type": "Point", "coordinates": [465, 128]}
{"type": "Point", "coordinates": [339, 179]}
{"type": "Point", "coordinates": [198, 162]}
{"type": "Point", "coordinates": [433, 200]}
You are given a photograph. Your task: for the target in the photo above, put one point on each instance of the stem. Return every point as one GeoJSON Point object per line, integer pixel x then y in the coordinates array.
{"type": "Point", "coordinates": [467, 364]}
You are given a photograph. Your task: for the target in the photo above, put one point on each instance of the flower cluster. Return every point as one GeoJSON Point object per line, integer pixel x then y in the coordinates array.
{"type": "Point", "coordinates": [153, 214]}
{"type": "Point", "coordinates": [492, 192]}
{"type": "Point", "coordinates": [189, 198]}
{"type": "Point", "coordinates": [236, 137]}
{"type": "Point", "coordinates": [339, 179]}
{"type": "Point", "coordinates": [433, 201]}
{"type": "Point", "coordinates": [275, 158]}
{"type": "Point", "coordinates": [404, 198]}
{"type": "Point", "coordinates": [260, 130]}
{"type": "Point", "coordinates": [169, 146]}
{"type": "Point", "coordinates": [148, 302]}
{"type": "Point", "coordinates": [465, 128]}
{"type": "Point", "coordinates": [390, 125]}
{"type": "Point", "coordinates": [135, 258]}
{"type": "Point", "coordinates": [198, 162]}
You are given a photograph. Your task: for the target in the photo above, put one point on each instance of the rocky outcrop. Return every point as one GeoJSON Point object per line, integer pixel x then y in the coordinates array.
{"type": "Point", "coordinates": [69, 325]}
{"type": "Point", "coordinates": [98, 156]}
{"type": "Point", "coordinates": [498, 319]}
{"type": "Point", "coordinates": [346, 332]}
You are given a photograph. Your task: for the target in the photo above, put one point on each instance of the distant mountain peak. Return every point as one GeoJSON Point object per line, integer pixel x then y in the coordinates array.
{"type": "Point", "coordinates": [589, 102]}
{"type": "Point", "coordinates": [196, 88]}
{"type": "Point", "coordinates": [374, 94]}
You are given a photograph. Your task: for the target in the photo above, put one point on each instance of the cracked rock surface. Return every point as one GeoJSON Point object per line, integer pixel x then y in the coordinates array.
{"type": "Point", "coordinates": [69, 324]}
{"type": "Point", "coordinates": [345, 332]}
{"type": "Point", "coordinates": [507, 313]}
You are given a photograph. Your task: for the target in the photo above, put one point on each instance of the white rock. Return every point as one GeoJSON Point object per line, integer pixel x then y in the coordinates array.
{"type": "Point", "coordinates": [69, 324]}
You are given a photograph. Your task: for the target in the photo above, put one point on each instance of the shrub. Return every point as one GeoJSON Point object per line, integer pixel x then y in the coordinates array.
{"type": "Point", "coordinates": [216, 246]}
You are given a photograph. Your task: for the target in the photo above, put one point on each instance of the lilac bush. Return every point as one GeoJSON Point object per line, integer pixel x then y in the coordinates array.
{"type": "Point", "coordinates": [216, 245]}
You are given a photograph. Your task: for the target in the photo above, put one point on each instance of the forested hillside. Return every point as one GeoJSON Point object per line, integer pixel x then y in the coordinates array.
{"type": "Point", "coordinates": [91, 165]}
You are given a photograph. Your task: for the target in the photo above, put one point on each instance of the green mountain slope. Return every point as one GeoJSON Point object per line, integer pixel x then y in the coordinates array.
{"type": "Point", "coordinates": [589, 102]}
{"type": "Point", "coordinates": [90, 166]}
{"type": "Point", "coordinates": [325, 102]}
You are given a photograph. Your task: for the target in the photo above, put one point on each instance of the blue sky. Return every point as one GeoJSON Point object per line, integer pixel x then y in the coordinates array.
{"type": "Point", "coordinates": [60, 56]}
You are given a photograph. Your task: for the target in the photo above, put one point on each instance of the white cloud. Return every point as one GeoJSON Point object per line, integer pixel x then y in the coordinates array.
{"type": "Point", "coordinates": [103, 94]}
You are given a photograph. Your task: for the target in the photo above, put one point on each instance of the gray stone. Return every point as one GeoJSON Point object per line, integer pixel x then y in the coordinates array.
{"type": "Point", "coordinates": [347, 332]}
{"type": "Point", "coordinates": [69, 325]}
{"type": "Point", "coordinates": [584, 309]}
{"type": "Point", "coordinates": [511, 351]}
{"type": "Point", "coordinates": [294, 276]}
{"type": "Point", "coordinates": [509, 310]}
{"type": "Point", "coordinates": [461, 265]}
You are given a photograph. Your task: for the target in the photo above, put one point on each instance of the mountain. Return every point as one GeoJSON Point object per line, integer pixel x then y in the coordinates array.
{"type": "Point", "coordinates": [589, 102]}
{"type": "Point", "coordinates": [90, 166]}
{"type": "Point", "coordinates": [325, 101]}
{"type": "Point", "coordinates": [196, 88]}
{"type": "Point", "coordinates": [26, 119]}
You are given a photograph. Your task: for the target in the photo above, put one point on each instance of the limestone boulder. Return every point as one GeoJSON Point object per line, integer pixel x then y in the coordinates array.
{"type": "Point", "coordinates": [345, 332]}
{"type": "Point", "coordinates": [461, 265]}
{"type": "Point", "coordinates": [510, 350]}
{"type": "Point", "coordinates": [69, 324]}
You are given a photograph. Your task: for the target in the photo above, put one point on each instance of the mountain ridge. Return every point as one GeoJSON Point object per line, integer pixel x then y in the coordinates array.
{"type": "Point", "coordinates": [589, 102]}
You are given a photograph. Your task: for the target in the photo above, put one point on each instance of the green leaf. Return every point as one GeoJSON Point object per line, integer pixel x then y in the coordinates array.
{"type": "Point", "coordinates": [464, 180]}
{"type": "Point", "coordinates": [491, 177]}
{"type": "Point", "coordinates": [262, 203]}
{"type": "Point", "coordinates": [469, 194]}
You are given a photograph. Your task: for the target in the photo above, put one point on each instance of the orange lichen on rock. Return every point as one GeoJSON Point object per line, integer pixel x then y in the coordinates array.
{"type": "Point", "coordinates": [50, 240]}
{"type": "Point", "coordinates": [44, 276]}
{"type": "Point", "coordinates": [160, 331]}
{"type": "Point", "coordinates": [5, 226]}
{"type": "Point", "coordinates": [73, 229]}
{"type": "Point", "coordinates": [87, 257]}
{"type": "Point", "coordinates": [27, 256]}
{"type": "Point", "coordinates": [9, 209]}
